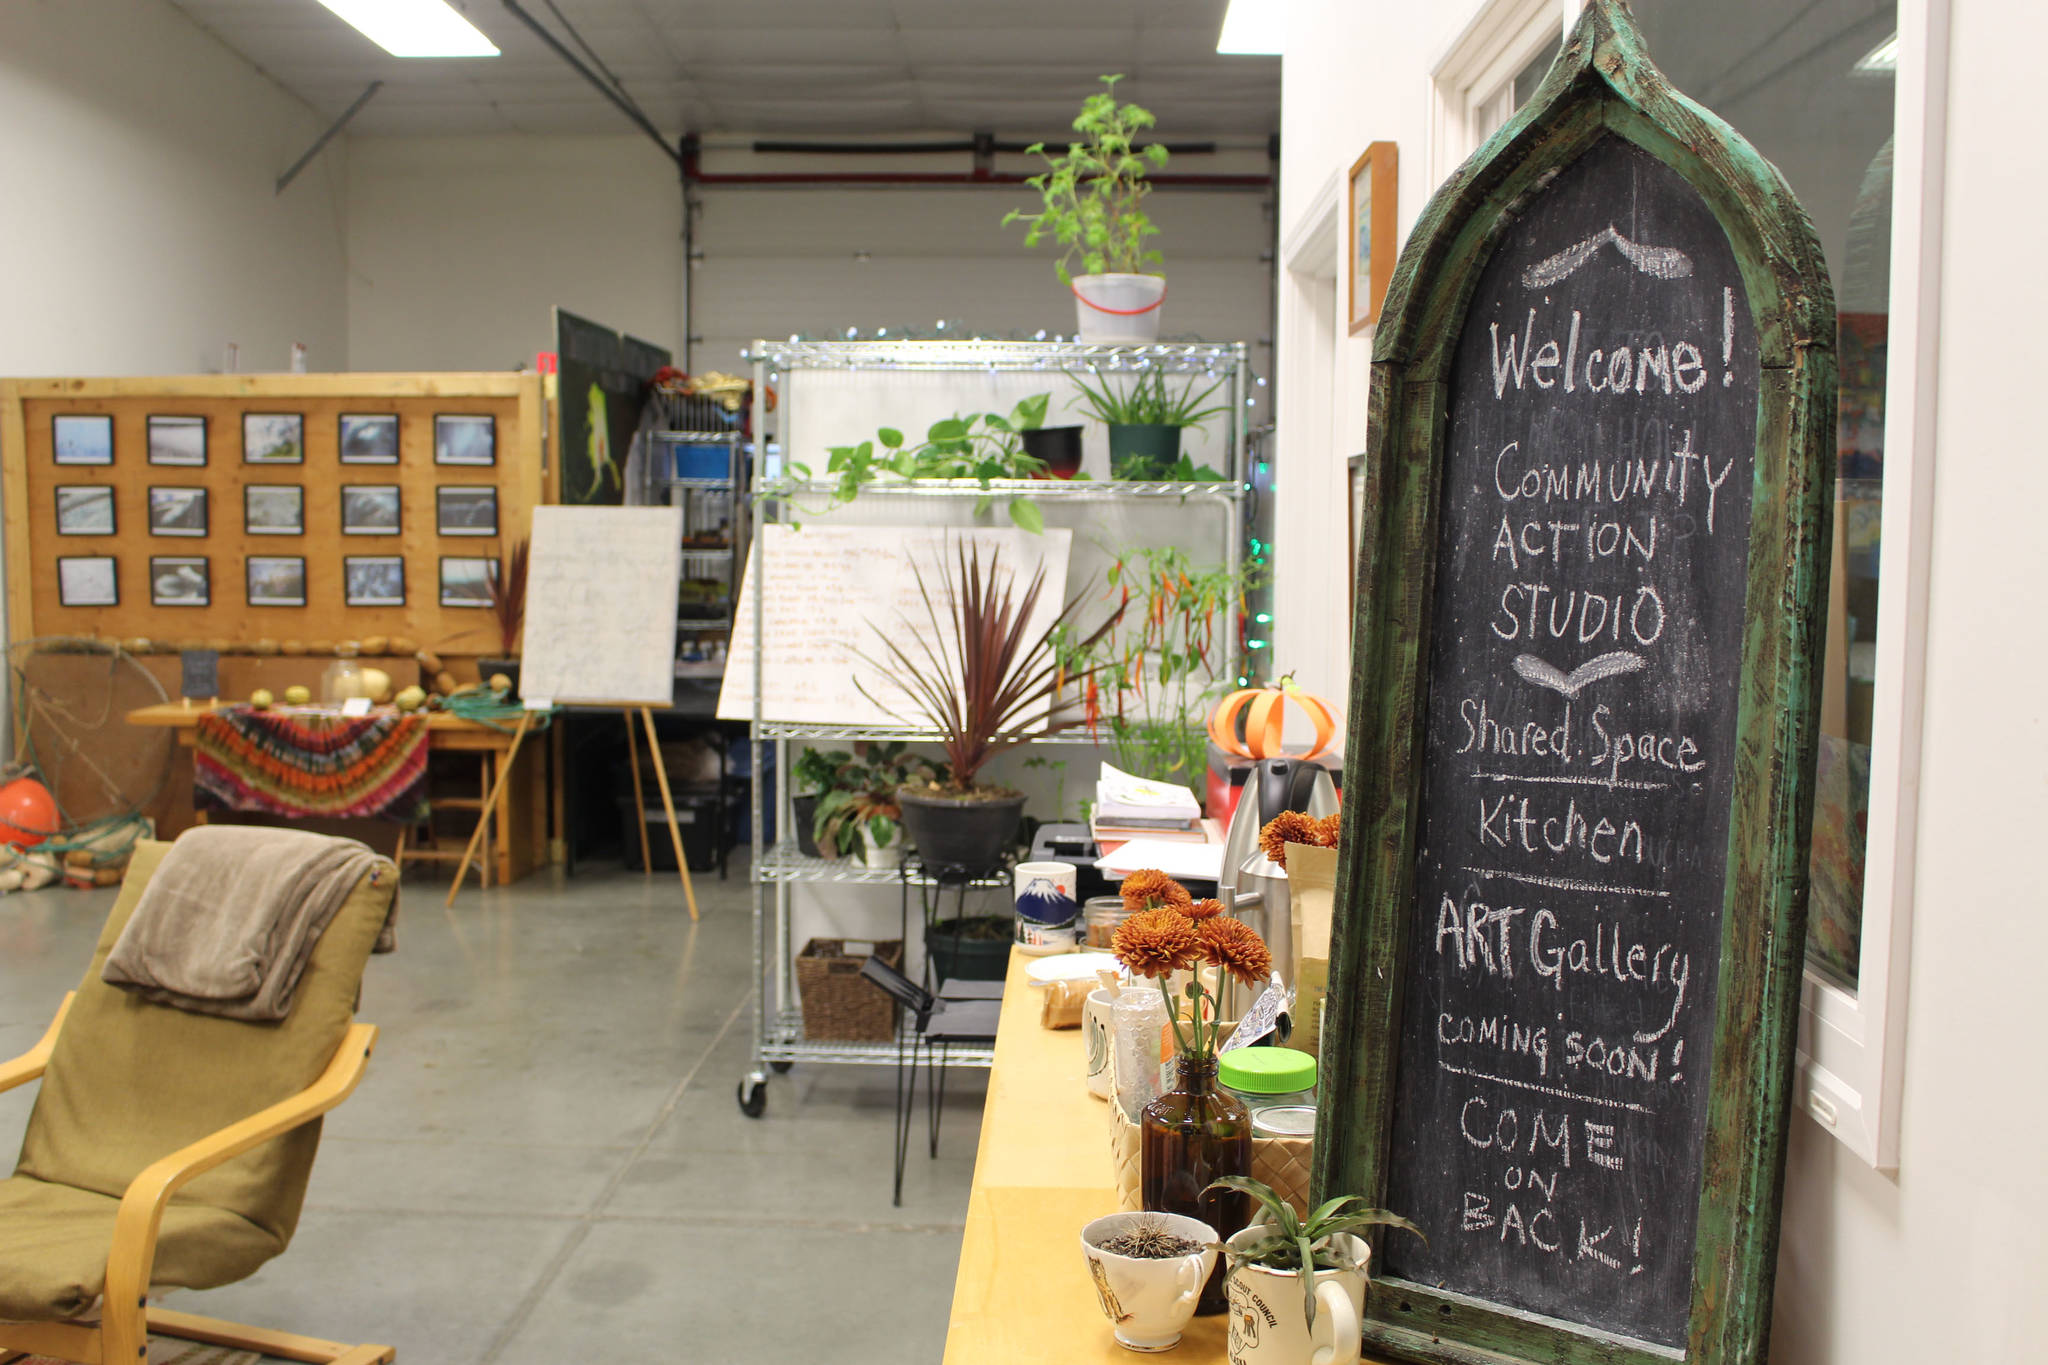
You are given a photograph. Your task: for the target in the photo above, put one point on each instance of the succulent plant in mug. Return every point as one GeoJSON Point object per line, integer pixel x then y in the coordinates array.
{"type": "Point", "coordinates": [1297, 1245]}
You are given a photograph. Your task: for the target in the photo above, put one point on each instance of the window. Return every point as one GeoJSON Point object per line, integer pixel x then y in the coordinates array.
{"type": "Point", "coordinates": [1844, 97]}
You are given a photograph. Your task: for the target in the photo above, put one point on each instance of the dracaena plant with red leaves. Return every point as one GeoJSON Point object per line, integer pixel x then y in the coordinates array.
{"type": "Point", "coordinates": [975, 668]}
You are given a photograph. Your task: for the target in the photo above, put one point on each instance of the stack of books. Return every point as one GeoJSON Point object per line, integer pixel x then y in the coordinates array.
{"type": "Point", "coordinates": [1130, 807]}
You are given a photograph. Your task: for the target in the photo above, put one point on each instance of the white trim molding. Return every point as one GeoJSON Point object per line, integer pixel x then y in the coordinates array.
{"type": "Point", "coordinates": [1852, 1044]}
{"type": "Point", "coordinates": [1501, 38]}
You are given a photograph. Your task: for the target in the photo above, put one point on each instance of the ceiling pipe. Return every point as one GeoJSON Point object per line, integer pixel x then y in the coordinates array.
{"type": "Point", "coordinates": [618, 101]}
{"type": "Point", "coordinates": [694, 172]}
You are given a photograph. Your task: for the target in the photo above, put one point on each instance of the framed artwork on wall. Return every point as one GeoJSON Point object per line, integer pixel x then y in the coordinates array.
{"type": "Point", "coordinates": [85, 510]}
{"type": "Point", "coordinates": [82, 437]}
{"type": "Point", "coordinates": [462, 439]}
{"type": "Point", "coordinates": [277, 580]}
{"type": "Point", "coordinates": [273, 509]}
{"type": "Point", "coordinates": [87, 581]}
{"type": "Point", "coordinates": [466, 581]}
{"type": "Point", "coordinates": [368, 438]}
{"type": "Point", "coordinates": [373, 580]}
{"type": "Point", "coordinates": [177, 511]}
{"type": "Point", "coordinates": [179, 581]}
{"type": "Point", "coordinates": [1370, 248]}
{"type": "Point", "coordinates": [273, 438]}
{"type": "Point", "coordinates": [369, 509]}
{"type": "Point", "coordinates": [177, 440]}
{"type": "Point", "coordinates": [466, 510]}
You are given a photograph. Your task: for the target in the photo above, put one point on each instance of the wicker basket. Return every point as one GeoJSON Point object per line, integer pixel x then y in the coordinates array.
{"type": "Point", "coordinates": [840, 1005]}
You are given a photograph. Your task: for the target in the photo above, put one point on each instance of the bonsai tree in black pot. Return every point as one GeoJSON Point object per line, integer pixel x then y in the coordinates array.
{"type": "Point", "coordinates": [977, 671]}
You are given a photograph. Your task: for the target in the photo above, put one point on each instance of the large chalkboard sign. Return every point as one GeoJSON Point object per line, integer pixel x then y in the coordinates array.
{"type": "Point", "coordinates": [1564, 983]}
{"type": "Point", "coordinates": [1579, 749]}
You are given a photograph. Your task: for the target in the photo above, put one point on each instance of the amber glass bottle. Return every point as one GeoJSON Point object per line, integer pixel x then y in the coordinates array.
{"type": "Point", "coordinates": [1190, 1135]}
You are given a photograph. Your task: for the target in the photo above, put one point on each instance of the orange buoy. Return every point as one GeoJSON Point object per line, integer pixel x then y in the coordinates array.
{"type": "Point", "coordinates": [1264, 715]}
{"type": "Point", "coordinates": [28, 813]}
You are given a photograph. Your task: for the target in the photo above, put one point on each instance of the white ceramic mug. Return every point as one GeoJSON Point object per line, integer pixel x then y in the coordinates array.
{"type": "Point", "coordinates": [1045, 892]}
{"type": "Point", "coordinates": [1148, 1301]}
{"type": "Point", "coordinates": [1097, 1028]}
{"type": "Point", "coordinates": [1267, 1324]}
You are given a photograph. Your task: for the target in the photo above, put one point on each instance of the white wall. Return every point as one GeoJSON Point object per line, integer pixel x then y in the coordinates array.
{"type": "Point", "coordinates": [460, 248]}
{"type": "Point", "coordinates": [139, 222]}
{"type": "Point", "coordinates": [1944, 1259]}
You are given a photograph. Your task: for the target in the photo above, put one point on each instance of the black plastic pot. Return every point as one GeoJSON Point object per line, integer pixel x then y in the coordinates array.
{"type": "Point", "coordinates": [804, 812]}
{"type": "Point", "coordinates": [1059, 447]}
{"type": "Point", "coordinates": [509, 667]}
{"type": "Point", "coordinates": [953, 835]}
{"type": "Point", "coordinates": [955, 958]}
{"type": "Point", "coordinates": [1142, 451]}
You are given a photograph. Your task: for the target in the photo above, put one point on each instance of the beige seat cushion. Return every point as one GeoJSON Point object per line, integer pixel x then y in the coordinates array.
{"type": "Point", "coordinates": [130, 1082]}
{"type": "Point", "coordinates": [56, 1248]}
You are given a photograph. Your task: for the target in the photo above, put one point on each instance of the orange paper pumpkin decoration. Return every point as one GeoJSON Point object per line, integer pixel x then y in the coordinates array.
{"type": "Point", "coordinates": [1264, 715]}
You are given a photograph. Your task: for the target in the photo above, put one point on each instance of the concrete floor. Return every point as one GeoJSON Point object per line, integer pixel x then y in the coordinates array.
{"type": "Point", "coordinates": [546, 1162]}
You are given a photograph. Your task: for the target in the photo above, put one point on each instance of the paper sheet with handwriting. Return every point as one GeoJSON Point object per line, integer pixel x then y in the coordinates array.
{"type": "Point", "coordinates": [601, 604]}
{"type": "Point", "coordinates": [828, 590]}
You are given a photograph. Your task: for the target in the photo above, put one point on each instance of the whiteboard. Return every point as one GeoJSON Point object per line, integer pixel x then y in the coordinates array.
{"type": "Point", "coordinates": [601, 605]}
{"type": "Point", "coordinates": [827, 593]}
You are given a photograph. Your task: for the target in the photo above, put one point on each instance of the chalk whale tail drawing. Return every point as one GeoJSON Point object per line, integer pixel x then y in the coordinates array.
{"type": "Point", "coordinates": [1548, 675]}
{"type": "Point", "coordinates": [1661, 262]}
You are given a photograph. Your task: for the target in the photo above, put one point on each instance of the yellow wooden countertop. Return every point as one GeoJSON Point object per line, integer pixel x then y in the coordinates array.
{"type": "Point", "coordinates": [1042, 1172]}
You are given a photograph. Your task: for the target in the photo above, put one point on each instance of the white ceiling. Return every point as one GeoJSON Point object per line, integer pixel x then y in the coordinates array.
{"type": "Point", "coordinates": [1017, 67]}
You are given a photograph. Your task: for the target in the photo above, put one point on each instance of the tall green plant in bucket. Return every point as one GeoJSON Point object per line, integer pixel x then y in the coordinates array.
{"type": "Point", "coordinates": [1093, 208]}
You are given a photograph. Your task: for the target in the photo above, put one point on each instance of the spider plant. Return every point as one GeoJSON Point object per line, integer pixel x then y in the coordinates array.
{"type": "Point", "coordinates": [1305, 1245]}
{"type": "Point", "coordinates": [1148, 400]}
{"type": "Point", "coordinates": [979, 675]}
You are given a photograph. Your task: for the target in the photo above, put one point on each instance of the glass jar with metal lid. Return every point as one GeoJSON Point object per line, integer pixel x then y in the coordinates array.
{"type": "Point", "coordinates": [1262, 1077]}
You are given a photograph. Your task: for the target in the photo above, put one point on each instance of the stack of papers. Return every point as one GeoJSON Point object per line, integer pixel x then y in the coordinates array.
{"type": "Point", "coordinates": [1130, 807]}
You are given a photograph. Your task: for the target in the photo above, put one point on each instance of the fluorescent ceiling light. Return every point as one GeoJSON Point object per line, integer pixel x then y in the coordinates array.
{"type": "Point", "coordinates": [1882, 60]}
{"type": "Point", "coordinates": [1253, 28]}
{"type": "Point", "coordinates": [414, 28]}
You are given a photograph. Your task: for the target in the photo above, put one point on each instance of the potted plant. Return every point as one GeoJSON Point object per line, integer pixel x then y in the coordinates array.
{"type": "Point", "coordinates": [508, 609]}
{"type": "Point", "coordinates": [975, 672]}
{"type": "Point", "coordinates": [1297, 1285]}
{"type": "Point", "coordinates": [811, 776]}
{"type": "Point", "coordinates": [1145, 419]}
{"type": "Point", "coordinates": [1148, 1270]}
{"type": "Point", "coordinates": [1094, 198]}
{"type": "Point", "coordinates": [982, 447]}
{"type": "Point", "coordinates": [860, 813]}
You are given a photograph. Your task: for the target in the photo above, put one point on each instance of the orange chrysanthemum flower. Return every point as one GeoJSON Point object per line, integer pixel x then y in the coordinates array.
{"type": "Point", "coordinates": [1329, 828]}
{"type": "Point", "coordinates": [1288, 827]}
{"type": "Point", "coordinates": [1156, 942]}
{"type": "Point", "coordinates": [1148, 889]}
{"type": "Point", "coordinates": [1236, 947]}
{"type": "Point", "coordinates": [1199, 910]}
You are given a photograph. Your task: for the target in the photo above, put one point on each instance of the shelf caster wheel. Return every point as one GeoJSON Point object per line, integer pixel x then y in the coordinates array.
{"type": "Point", "coordinates": [781, 1068]}
{"type": "Point", "coordinates": [753, 1095]}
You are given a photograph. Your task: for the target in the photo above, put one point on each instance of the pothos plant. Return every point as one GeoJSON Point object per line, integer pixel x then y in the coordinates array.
{"type": "Point", "coordinates": [863, 796]}
{"type": "Point", "coordinates": [1094, 193]}
{"type": "Point", "coordinates": [1146, 684]}
{"type": "Point", "coordinates": [982, 446]}
{"type": "Point", "coordinates": [1293, 1244]}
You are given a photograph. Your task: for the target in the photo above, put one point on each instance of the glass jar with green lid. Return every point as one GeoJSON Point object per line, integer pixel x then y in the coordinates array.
{"type": "Point", "coordinates": [1262, 1077]}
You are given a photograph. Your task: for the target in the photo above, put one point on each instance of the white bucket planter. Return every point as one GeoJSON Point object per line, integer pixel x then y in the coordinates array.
{"type": "Point", "coordinates": [1119, 308]}
{"type": "Point", "coordinates": [881, 857]}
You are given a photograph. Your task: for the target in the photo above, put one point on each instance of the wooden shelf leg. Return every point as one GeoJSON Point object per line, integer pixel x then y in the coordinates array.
{"type": "Point", "coordinates": [490, 805]}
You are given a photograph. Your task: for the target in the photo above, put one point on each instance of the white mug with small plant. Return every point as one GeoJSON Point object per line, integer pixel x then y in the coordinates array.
{"type": "Point", "coordinates": [1148, 1269]}
{"type": "Point", "coordinates": [1297, 1285]}
{"type": "Point", "coordinates": [1094, 196]}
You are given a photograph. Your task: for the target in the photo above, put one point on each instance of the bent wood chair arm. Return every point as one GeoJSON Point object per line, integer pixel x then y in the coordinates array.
{"type": "Point", "coordinates": [31, 1064]}
{"type": "Point", "coordinates": [136, 1226]}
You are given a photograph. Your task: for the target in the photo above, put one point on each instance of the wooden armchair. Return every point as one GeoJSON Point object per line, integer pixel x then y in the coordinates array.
{"type": "Point", "coordinates": [170, 1149]}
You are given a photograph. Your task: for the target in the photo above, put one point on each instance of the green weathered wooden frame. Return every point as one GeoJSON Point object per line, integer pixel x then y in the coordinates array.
{"type": "Point", "coordinates": [1602, 84]}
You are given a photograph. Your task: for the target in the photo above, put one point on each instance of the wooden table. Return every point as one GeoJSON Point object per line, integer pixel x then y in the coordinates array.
{"type": "Point", "coordinates": [1042, 1172]}
{"type": "Point", "coordinates": [519, 839]}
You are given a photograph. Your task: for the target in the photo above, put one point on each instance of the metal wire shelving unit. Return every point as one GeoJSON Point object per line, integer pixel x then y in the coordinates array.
{"type": "Point", "coordinates": [777, 869]}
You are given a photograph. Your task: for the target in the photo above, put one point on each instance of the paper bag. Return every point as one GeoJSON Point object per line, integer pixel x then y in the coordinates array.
{"type": "Point", "coordinates": [1312, 902]}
